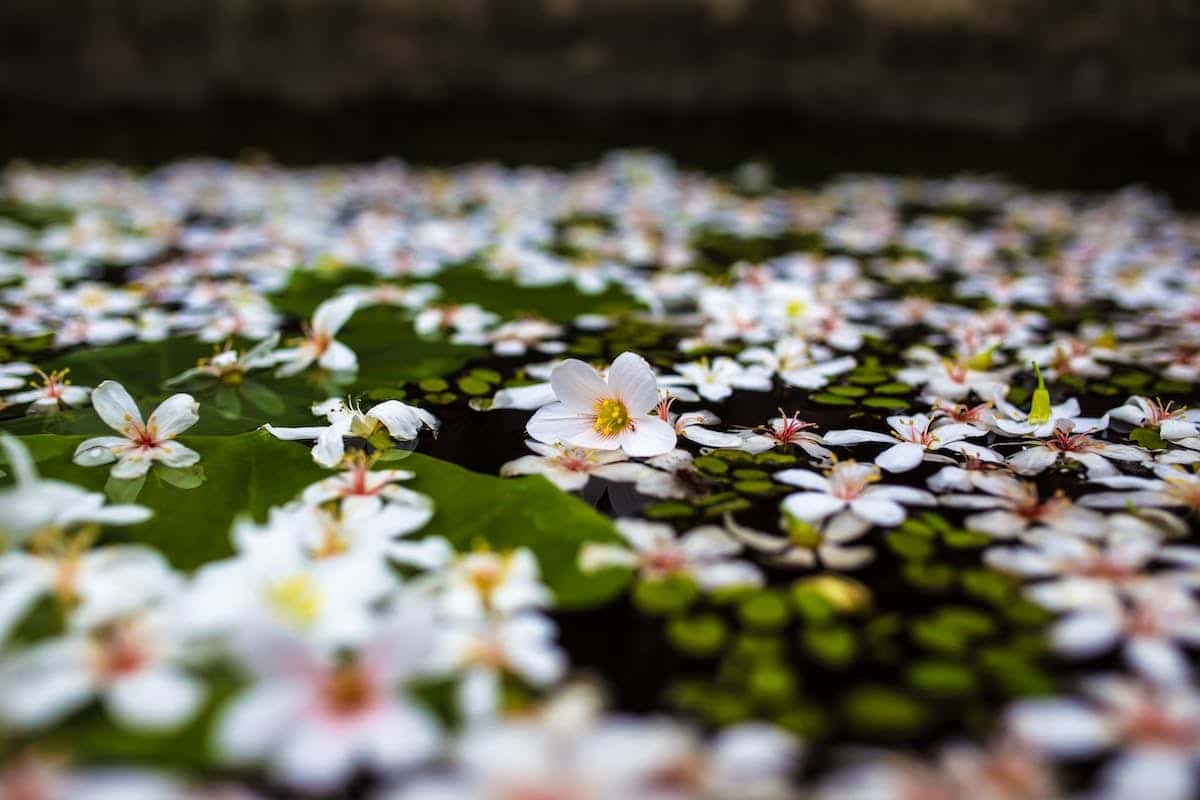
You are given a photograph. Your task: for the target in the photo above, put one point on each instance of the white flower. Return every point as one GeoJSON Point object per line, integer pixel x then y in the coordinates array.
{"type": "Point", "coordinates": [36, 505]}
{"type": "Point", "coordinates": [358, 484]}
{"type": "Point", "coordinates": [275, 581]}
{"type": "Point", "coordinates": [1156, 622]}
{"type": "Point", "coordinates": [132, 664]}
{"type": "Point", "coordinates": [1018, 509]}
{"type": "Point", "coordinates": [848, 485]}
{"type": "Point", "coordinates": [314, 718]}
{"type": "Point", "coordinates": [54, 393]}
{"type": "Point", "coordinates": [401, 421]}
{"type": "Point", "coordinates": [1043, 418]}
{"type": "Point", "coordinates": [516, 337]}
{"type": "Point", "coordinates": [92, 587]}
{"type": "Point", "coordinates": [1074, 573]}
{"type": "Point", "coordinates": [1154, 731]}
{"type": "Point", "coordinates": [690, 425]}
{"type": "Point", "coordinates": [807, 544]}
{"type": "Point", "coordinates": [319, 344]}
{"type": "Point", "coordinates": [920, 439]}
{"type": "Point", "coordinates": [1175, 487]}
{"type": "Point", "coordinates": [704, 554]}
{"type": "Point", "coordinates": [481, 651]}
{"type": "Point", "coordinates": [952, 378]}
{"type": "Point", "coordinates": [568, 468]}
{"type": "Point", "coordinates": [1067, 444]}
{"type": "Point", "coordinates": [482, 583]}
{"type": "Point", "coordinates": [230, 366]}
{"type": "Point", "coordinates": [799, 364]}
{"type": "Point", "coordinates": [717, 379]}
{"type": "Point", "coordinates": [140, 443]}
{"type": "Point", "coordinates": [619, 413]}
{"type": "Point", "coordinates": [1172, 424]}
{"type": "Point", "coordinates": [568, 752]}
{"type": "Point", "coordinates": [466, 320]}
{"type": "Point", "coordinates": [353, 529]}
{"type": "Point", "coordinates": [785, 431]}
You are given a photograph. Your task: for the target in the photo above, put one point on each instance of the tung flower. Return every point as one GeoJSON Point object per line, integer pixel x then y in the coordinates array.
{"type": "Point", "coordinates": [140, 443]}
{"type": "Point", "coordinates": [619, 413]}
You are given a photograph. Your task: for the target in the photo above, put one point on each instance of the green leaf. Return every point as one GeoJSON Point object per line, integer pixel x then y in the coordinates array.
{"type": "Point", "coordinates": [665, 596]}
{"type": "Point", "coordinates": [880, 711]}
{"type": "Point", "coordinates": [701, 635]}
{"type": "Point", "coordinates": [1149, 438]}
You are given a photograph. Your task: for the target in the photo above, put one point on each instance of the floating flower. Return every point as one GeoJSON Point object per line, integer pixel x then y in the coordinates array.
{"type": "Point", "coordinates": [319, 345]}
{"type": "Point", "coordinates": [848, 486]}
{"type": "Point", "coordinates": [568, 468]}
{"type": "Point", "coordinates": [705, 554]}
{"type": "Point", "coordinates": [140, 443]}
{"type": "Point", "coordinates": [54, 393]}
{"type": "Point", "coordinates": [36, 505]}
{"type": "Point", "coordinates": [314, 718]}
{"type": "Point", "coordinates": [134, 665]}
{"type": "Point", "coordinates": [715, 380]}
{"type": "Point", "coordinates": [617, 413]}
{"type": "Point", "coordinates": [390, 418]}
{"type": "Point", "coordinates": [1069, 444]}
{"type": "Point", "coordinates": [920, 440]}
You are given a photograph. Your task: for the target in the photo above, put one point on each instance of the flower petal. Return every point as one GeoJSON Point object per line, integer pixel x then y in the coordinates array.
{"type": "Point", "coordinates": [115, 406]}
{"type": "Point", "coordinates": [650, 437]}
{"type": "Point", "coordinates": [174, 415]}
{"type": "Point", "coordinates": [632, 380]}
{"type": "Point", "coordinates": [577, 386]}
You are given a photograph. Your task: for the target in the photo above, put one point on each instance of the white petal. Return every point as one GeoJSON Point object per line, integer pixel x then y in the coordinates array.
{"type": "Point", "coordinates": [330, 446]}
{"type": "Point", "coordinates": [901, 457]}
{"type": "Point", "coordinates": [879, 510]}
{"type": "Point", "coordinates": [631, 379]}
{"type": "Point", "coordinates": [856, 436]}
{"type": "Point", "coordinates": [804, 478]}
{"type": "Point", "coordinates": [154, 699]}
{"type": "Point", "coordinates": [338, 358]}
{"type": "Point", "coordinates": [114, 405]}
{"type": "Point", "coordinates": [174, 454]}
{"type": "Point", "coordinates": [99, 450]}
{"type": "Point", "coordinates": [1085, 634]}
{"type": "Point", "coordinates": [174, 415]}
{"type": "Point", "coordinates": [1032, 460]}
{"type": "Point", "coordinates": [133, 464]}
{"type": "Point", "coordinates": [811, 506]}
{"type": "Point", "coordinates": [253, 721]}
{"type": "Point", "coordinates": [577, 386]}
{"type": "Point", "coordinates": [1157, 659]}
{"type": "Point", "coordinates": [331, 315]}
{"type": "Point", "coordinates": [1063, 728]}
{"type": "Point", "coordinates": [18, 459]}
{"type": "Point", "coordinates": [651, 436]}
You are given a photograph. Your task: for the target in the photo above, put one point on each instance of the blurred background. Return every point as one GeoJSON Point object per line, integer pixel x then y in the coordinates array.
{"type": "Point", "coordinates": [1085, 93]}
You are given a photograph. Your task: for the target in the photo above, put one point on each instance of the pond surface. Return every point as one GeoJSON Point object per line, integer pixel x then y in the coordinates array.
{"type": "Point", "coordinates": [621, 481]}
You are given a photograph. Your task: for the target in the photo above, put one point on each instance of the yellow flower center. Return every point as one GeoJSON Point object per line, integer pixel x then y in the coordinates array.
{"type": "Point", "coordinates": [296, 599]}
{"type": "Point", "coordinates": [612, 417]}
